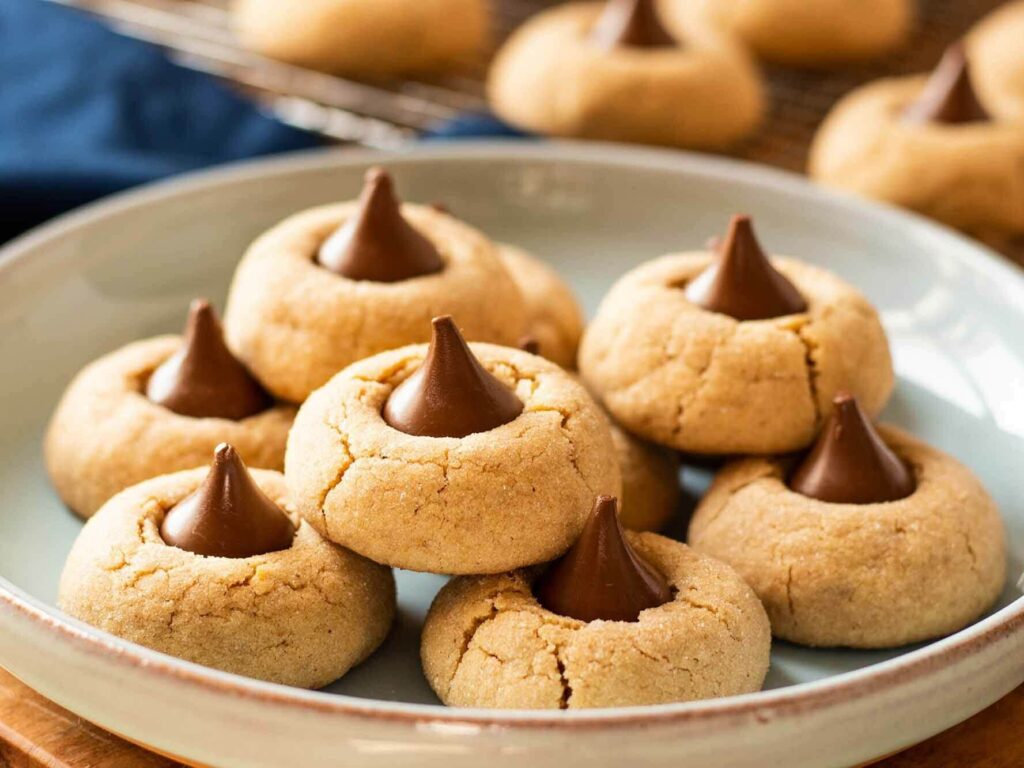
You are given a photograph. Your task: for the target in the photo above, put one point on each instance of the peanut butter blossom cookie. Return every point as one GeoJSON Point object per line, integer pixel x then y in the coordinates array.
{"type": "Point", "coordinates": [612, 71]}
{"type": "Point", "coordinates": [451, 458]}
{"type": "Point", "coordinates": [339, 283]}
{"type": "Point", "coordinates": [650, 473]}
{"type": "Point", "coordinates": [816, 34]}
{"type": "Point", "coordinates": [366, 38]}
{"type": "Point", "coordinates": [554, 320]}
{"type": "Point", "coordinates": [731, 352]}
{"type": "Point", "coordinates": [210, 566]}
{"type": "Point", "coordinates": [622, 619]}
{"type": "Point", "coordinates": [872, 540]}
{"type": "Point", "coordinates": [158, 406]}
{"type": "Point", "coordinates": [996, 48]}
{"type": "Point", "coordinates": [927, 144]}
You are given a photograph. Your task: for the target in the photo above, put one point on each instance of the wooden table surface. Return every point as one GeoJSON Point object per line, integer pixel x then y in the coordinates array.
{"type": "Point", "coordinates": [35, 733]}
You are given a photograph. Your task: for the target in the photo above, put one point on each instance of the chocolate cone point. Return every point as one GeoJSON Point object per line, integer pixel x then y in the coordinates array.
{"type": "Point", "coordinates": [203, 379]}
{"type": "Point", "coordinates": [377, 244]}
{"type": "Point", "coordinates": [742, 283]}
{"type": "Point", "coordinates": [601, 577]}
{"type": "Point", "coordinates": [228, 515]}
{"type": "Point", "coordinates": [850, 463]}
{"type": "Point", "coordinates": [451, 394]}
{"type": "Point", "coordinates": [529, 343]}
{"type": "Point", "coordinates": [949, 96]}
{"type": "Point", "coordinates": [631, 24]}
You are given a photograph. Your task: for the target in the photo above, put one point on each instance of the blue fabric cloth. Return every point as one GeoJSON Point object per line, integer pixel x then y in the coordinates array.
{"type": "Point", "coordinates": [474, 125]}
{"type": "Point", "coordinates": [85, 112]}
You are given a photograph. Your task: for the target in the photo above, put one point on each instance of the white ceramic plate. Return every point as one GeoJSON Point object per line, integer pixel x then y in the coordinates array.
{"type": "Point", "coordinates": [126, 269]}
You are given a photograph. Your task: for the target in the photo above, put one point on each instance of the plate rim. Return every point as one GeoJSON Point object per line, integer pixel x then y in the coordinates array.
{"type": "Point", "coordinates": [791, 699]}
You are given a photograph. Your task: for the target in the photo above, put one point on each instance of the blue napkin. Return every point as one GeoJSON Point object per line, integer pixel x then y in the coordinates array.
{"type": "Point", "coordinates": [85, 112]}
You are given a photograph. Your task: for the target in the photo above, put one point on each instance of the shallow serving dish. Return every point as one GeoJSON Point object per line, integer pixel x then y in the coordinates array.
{"type": "Point", "coordinates": [126, 268]}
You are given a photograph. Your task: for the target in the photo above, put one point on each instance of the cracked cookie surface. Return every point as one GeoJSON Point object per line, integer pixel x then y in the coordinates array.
{"type": "Point", "coordinates": [859, 575]}
{"type": "Point", "coordinates": [296, 324]}
{"type": "Point", "coordinates": [487, 642]}
{"type": "Point", "coordinates": [516, 495]}
{"type": "Point", "coordinates": [107, 435]}
{"type": "Point", "coordinates": [703, 382]}
{"type": "Point", "coordinates": [966, 175]}
{"type": "Point", "coordinates": [553, 316]}
{"type": "Point", "coordinates": [301, 616]}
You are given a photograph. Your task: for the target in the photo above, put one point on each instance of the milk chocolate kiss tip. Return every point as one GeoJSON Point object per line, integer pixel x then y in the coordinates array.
{"type": "Point", "coordinates": [850, 463]}
{"type": "Point", "coordinates": [948, 97]}
{"type": "Point", "coordinates": [529, 344]}
{"type": "Point", "coordinates": [631, 24]}
{"type": "Point", "coordinates": [377, 244]}
{"type": "Point", "coordinates": [450, 394]}
{"type": "Point", "coordinates": [203, 379]}
{"type": "Point", "coordinates": [742, 283]}
{"type": "Point", "coordinates": [228, 515]}
{"type": "Point", "coordinates": [601, 577]}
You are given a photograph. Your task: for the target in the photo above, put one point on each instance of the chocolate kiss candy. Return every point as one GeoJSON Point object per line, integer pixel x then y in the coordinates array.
{"type": "Point", "coordinates": [601, 577]}
{"type": "Point", "coordinates": [743, 283]}
{"type": "Point", "coordinates": [450, 395]}
{"type": "Point", "coordinates": [948, 97]}
{"type": "Point", "coordinates": [630, 23]}
{"type": "Point", "coordinates": [377, 243]}
{"type": "Point", "coordinates": [228, 515]}
{"type": "Point", "coordinates": [203, 379]}
{"type": "Point", "coordinates": [850, 463]}
{"type": "Point", "coordinates": [529, 344]}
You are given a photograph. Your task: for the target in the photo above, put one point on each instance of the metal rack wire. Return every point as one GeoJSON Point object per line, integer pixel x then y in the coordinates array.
{"type": "Point", "coordinates": [198, 34]}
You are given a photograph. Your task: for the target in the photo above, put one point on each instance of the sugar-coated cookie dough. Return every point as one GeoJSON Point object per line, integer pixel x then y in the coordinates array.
{"type": "Point", "coordinates": [703, 382]}
{"type": "Point", "coordinates": [802, 33]}
{"type": "Point", "coordinates": [366, 38]}
{"type": "Point", "coordinates": [859, 575]}
{"type": "Point", "coordinates": [488, 642]}
{"type": "Point", "coordinates": [296, 324]}
{"type": "Point", "coordinates": [650, 481]}
{"type": "Point", "coordinates": [107, 435]}
{"type": "Point", "coordinates": [301, 616]}
{"type": "Point", "coordinates": [996, 50]}
{"type": "Point", "coordinates": [492, 501]}
{"type": "Point", "coordinates": [552, 78]}
{"type": "Point", "coordinates": [554, 318]}
{"type": "Point", "coordinates": [965, 175]}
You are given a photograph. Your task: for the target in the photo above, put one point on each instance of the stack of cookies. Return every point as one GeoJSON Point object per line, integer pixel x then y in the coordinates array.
{"type": "Point", "coordinates": [344, 362]}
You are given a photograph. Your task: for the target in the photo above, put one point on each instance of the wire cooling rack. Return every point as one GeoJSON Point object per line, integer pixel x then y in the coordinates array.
{"type": "Point", "coordinates": [383, 114]}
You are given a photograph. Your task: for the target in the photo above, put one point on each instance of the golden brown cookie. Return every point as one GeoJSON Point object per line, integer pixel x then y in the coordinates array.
{"type": "Point", "coordinates": [815, 34]}
{"type": "Point", "coordinates": [296, 323]}
{"type": "Point", "coordinates": [300, 616]}
{"type": "Point", "coordinates": [554, 318]}
{"type": "Point", "coordinates": [106, 434]}
{"type": "Point", "coordinates": [489, 501]}
{"type": "Point", "coordinates": [559, 74]}
{"type": "Point", "coordinates": [870, 575]}
{"type": "Point", "coordinates": [366, 38]}
{"type": "Point", "coordinates": [996, 49]}
{"type": "Point", "coordinates": [650, 481]}
{"type": "Point", "coordinates": [962, 170]}
{"type": "Point", "coordinates": [701, 381]}
{"type": "Point", "coordinates": [488, 642]}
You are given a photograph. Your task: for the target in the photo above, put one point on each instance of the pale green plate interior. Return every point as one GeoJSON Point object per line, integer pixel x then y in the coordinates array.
{"type": "Point", "coordinates": [954, 319]}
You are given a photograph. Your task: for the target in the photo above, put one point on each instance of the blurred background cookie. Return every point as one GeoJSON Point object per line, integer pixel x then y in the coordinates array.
{"type": "Point", "coordinates": [365, 38]}
{"type": "Point", "coordinates": [797, 32]}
